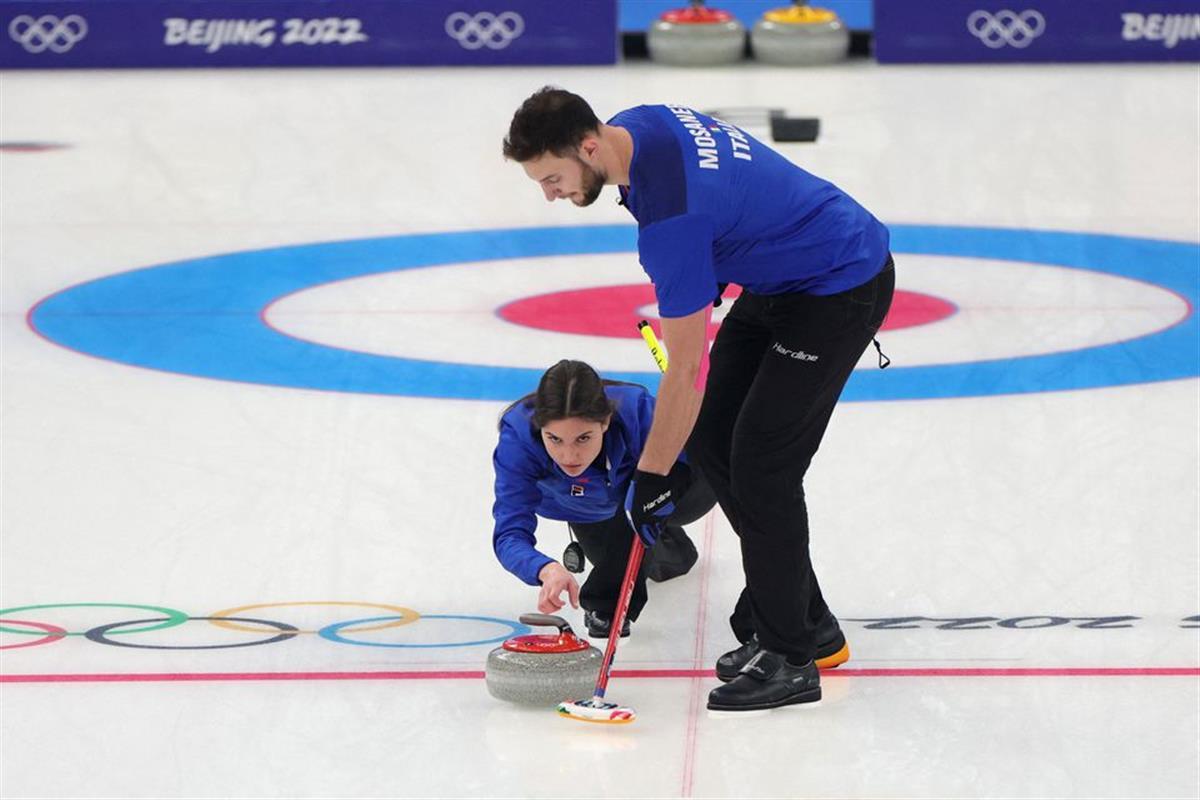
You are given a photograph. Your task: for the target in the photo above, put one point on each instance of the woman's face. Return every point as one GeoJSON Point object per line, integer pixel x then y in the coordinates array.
{"type": "Point", "coordinates": [574, 442]}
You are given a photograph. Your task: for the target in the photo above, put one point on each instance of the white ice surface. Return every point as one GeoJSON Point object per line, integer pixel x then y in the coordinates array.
{"type": "Point", "coordinates": [123, 485]}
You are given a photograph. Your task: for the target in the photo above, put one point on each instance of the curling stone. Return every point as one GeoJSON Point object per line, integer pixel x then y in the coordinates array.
{"type": "Point", "coordinates": [543, 669]}
{"type": "Point", "coordinates": [696, 36]}
{"type": "Point", "coordinates": [800, 34]}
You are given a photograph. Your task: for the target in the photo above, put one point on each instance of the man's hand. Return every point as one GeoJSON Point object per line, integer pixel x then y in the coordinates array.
{"type": "Point", "coordinates": [556, 580]}
{"type": "Point", "coordinates": [650, 501]}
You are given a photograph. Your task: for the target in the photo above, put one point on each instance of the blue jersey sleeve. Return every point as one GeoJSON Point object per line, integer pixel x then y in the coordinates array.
{"type": "Point", "coordinates": [517, 498]}
{"type": "Point", "coordinates": [677, 254]}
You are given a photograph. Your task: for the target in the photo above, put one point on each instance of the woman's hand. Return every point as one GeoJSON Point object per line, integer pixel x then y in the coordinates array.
{"type": "Point", "coordinates": [556, 580]}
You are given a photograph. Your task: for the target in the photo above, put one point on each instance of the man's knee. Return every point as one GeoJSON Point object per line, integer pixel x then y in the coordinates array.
{"type": "Point", "coordinates": [755, 481]}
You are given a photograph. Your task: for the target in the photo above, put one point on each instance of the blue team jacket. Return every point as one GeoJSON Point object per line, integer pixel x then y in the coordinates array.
{"type": "Point", "coordinates": [716, 206]}
{"type": "Point", "coordinates": [529, 484]}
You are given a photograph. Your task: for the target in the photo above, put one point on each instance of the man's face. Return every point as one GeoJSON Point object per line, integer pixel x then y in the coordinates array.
{"type": "Point", "coordinates": [567, 177]}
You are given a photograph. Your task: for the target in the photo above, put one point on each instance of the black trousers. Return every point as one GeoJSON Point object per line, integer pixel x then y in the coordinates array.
{"type": "Point", "coordinates": [606, 545]}
{"type": "Point", "coordinates": [776, 371]}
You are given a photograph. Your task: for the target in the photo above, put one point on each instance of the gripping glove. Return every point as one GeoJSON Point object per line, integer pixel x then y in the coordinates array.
{"type": "Point", "coordinates": [650, 501]}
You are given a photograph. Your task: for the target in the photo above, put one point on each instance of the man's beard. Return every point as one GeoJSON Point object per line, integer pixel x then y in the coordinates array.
{"type": "Point", "coordinates": [591, 182]}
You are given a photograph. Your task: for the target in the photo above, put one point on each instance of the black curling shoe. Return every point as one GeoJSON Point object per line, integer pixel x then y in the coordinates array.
{"type": "Point", "coordinates": [832, 650]}
{"type": "Point", "coordinates": [768, 681]}
{"type": "Point", "coordinates": [598, 625]}
{"type": "Point", "coordinates": [730, 664]}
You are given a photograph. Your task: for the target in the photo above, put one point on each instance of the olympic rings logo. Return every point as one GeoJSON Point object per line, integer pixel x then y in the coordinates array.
{"type": "Point", "coordinates": [233, 619]}
{"type": "Point", "coordinates": [48, 32]}
{"type": "Point", "coordinates": [1006, 28]}
{"type": "Point", "coordinates": [495, 31]}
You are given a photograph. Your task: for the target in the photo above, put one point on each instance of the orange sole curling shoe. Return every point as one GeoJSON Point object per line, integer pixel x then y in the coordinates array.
{"type": "Point", "coordinates": [836, 659]}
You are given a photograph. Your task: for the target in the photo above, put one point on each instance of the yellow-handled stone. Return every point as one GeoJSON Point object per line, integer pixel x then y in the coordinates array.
{"type": "Point", "coordinates": [800, 15]}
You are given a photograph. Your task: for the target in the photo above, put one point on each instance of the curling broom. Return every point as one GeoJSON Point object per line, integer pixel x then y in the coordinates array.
{"type": "Point", "coordinates": [596, 708]}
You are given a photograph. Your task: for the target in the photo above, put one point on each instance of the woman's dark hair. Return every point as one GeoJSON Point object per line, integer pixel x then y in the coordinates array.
{"type": "Point", "coordinates": [553, 121]}
{"type": "Point", "coordinates": [568, 389]}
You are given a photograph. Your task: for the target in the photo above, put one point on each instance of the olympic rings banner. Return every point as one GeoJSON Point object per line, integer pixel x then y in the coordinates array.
{"type": "Point", "coordinates": [955, 31]}
{"type": "Point", "coordinates": [245, 626]}
{"type": "Point", "coordinates": [42, 34]}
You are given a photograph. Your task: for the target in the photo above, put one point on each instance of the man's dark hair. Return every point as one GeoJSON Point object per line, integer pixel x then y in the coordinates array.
{"type": "Point", "coordinates": [553, 121]}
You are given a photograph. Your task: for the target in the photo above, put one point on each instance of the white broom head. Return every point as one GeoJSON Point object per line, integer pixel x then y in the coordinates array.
{"type": "Point", "coordinates": [596, 710]}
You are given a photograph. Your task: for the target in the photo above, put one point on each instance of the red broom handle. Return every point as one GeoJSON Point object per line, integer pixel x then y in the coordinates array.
{"type": "Point", "coordinates": [618, 620]}
{"type": "Point", "coordinates": [636, 550]}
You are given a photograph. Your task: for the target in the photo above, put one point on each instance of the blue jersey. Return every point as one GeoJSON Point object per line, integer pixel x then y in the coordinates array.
{"type": "Point", "coordinates": [530, 484]}
{"type": "Point", "coordinates": [714, 206]}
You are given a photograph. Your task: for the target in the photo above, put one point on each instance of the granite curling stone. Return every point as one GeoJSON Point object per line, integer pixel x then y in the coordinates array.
{"type": "Point", "coordinates": [800, 35]}
{"type": "Point", "coordinates": [696, 36]}
{"type": "Point", "coordinates": [543, 669]}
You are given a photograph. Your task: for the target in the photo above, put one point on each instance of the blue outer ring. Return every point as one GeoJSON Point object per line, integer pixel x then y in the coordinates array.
{"type": "Point", "coordinates": [331, 632]}
{"type": "Point", "coordinates": [201, 317]}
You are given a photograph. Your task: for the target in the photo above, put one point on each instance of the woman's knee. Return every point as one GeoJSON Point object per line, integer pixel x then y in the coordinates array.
{"type": "Point", "coordinates": [696, 500]}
